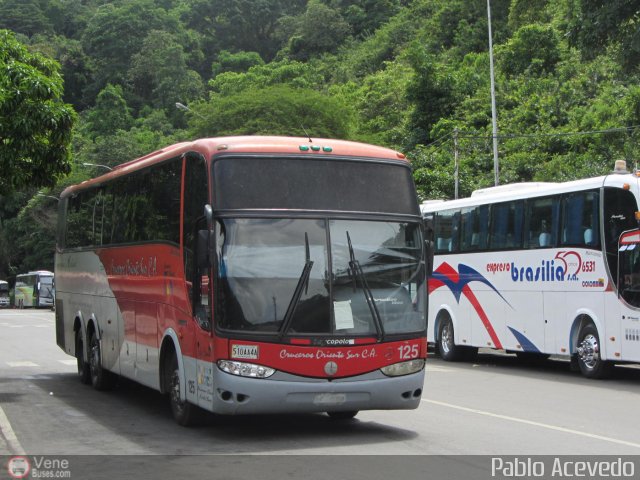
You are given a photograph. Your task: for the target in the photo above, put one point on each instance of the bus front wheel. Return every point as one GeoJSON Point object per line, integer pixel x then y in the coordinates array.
{"type": "Point", "coordinates": [84, 373]}
{"type": "Point", "coordinates": [185, 413]}
{"type": "Point", "coordinates": [588, 354]}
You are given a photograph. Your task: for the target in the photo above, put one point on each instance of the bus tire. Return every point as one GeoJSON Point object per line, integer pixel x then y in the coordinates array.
{"type": "Point", "coordinates": [101, 379]}
{"type": "Point", "coordinates": [447, 347]}
{"type": "Point", "coordinates": [348, 415]}
{"type": "Point", "coordinates": [588, 354]}
{"type": "Point", "coordinates": [184, 413]}
{"type": "Point", "coordinates": [84, 372]}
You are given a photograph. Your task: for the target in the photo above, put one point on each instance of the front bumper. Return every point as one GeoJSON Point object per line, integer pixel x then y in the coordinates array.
{"type": "Point", "coordinates": [285, 393]}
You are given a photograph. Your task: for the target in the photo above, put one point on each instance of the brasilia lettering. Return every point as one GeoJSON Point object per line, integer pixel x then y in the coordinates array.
{"type": "Point", "coordinates": [546, 272]}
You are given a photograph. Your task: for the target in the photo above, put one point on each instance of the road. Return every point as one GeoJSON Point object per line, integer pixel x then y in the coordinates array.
{"type": "Point", "coordinates": [495, 406]}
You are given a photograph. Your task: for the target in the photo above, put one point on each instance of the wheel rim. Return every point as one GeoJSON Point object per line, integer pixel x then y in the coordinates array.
{"type": "Point", "coordinates": [589, 351]}
{"type": "Point", "coordinates": [446, 337]}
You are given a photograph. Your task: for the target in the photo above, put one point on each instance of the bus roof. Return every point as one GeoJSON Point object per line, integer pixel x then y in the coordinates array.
{"type": "Point", "coordinates": [518, 191]}
{"type": "Point", "coordinates": [45, 273]}
{"type": "Point", "coordinates": [247, 144]}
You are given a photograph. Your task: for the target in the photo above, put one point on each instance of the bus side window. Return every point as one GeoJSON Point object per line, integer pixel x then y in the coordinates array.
{"type": "Point", "coordinates": [195, 198]}
{"type": "Point", "coordinates": [580, 219]}
{"type": "Point", "coordinates": [542, 222]}
{"type": "Point", "coordinates": [446, 231]}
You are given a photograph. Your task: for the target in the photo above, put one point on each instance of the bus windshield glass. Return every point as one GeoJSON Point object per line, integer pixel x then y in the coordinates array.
{"type": "Point", "coordinates": [630, 271]}
{"type": "Point", "coordinates": [46, 287]}
{"type": "Point", "coordinates": [299, 276]}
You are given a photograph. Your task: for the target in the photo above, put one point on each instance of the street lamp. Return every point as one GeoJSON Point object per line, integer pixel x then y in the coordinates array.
{"type": "Point", "coordinates": [494, 115]}
{"type": "Point", "coordinates": [39, 194]}
{"type": "Point", "coordinates": [183, 107]}
{"type": "Point", "coordinates": [97, 165]}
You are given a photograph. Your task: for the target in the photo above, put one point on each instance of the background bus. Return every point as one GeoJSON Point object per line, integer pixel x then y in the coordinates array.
{"type": "Point", "coordinates": [248, 275]}
{"type": "Point", "coordinates": [34, 289]}
{"type": "Point", "coordinates": [539, 269]}
{"type": "Point", "coordinates": [4, 294]}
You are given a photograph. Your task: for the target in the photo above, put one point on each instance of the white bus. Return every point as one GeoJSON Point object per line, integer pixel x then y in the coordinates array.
{"type": "Point", "coordinates": [4, 294]}
{"type": "Point", "coordinates": [539, 269]}
{"type": "Point", "coordinates": [34, 289]}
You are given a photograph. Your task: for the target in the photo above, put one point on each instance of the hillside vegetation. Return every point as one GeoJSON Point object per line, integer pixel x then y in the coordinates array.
{"type": "Point", "coordinates": [411, 75]}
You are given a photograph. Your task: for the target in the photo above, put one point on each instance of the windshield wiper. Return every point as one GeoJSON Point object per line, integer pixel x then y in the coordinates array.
{"type": "Point", "coordinates": [356, 270]}
{"type": "Point", "coordinates": [303, 284]}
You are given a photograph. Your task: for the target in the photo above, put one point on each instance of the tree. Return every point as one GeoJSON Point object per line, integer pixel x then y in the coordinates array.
{"type": "Point", "coordinates": [279, 110]}
{"type": "Point", "coordinates": [242, 25]}
{"type": "Point", "coordinates": [35, 125]}
{"type": "Point", "coordinates": [110, 114]}
{"type": "Point", "coordinates": [116, 32]}
{"type": "Point", "coordinates": [160, 75]}
{"type": "Point", "coordinates": [318, 30]}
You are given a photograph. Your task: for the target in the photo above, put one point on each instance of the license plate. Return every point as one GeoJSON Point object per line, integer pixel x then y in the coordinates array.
{"type": "Point", "coordinates": [330, 398]}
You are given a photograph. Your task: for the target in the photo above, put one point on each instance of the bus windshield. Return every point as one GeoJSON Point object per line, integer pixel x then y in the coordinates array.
{"type": "Point", "coordinates": [46, 287]}
{"type": "Point", "coordinates": [629, 255]}
{"type": "Point", "coordinates": [320, 276]}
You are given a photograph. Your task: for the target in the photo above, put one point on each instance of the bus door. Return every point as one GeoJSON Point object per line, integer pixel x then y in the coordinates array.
{"type": "Point", "coordinates": [629, 291]}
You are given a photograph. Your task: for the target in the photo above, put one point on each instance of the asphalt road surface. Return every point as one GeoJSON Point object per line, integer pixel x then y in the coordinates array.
{"type": "Point", "coordinates": [496, 406]}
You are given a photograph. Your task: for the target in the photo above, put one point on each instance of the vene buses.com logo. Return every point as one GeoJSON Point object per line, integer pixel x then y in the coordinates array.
{"type": "Point", "coordinates": [18, 467]}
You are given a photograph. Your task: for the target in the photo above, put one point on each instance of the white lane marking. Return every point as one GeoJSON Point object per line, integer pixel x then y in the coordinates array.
{"type": "Point", "coordinates": [68, 362]}
{"type": "Point", "coordinates": [10, 436]}
{"type": "Point", "coordinates": [534, 424]}
{"type": "Point", "coordinates": [22, 364]}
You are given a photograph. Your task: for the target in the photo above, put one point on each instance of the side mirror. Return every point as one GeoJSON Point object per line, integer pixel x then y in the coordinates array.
{"type": "Point", "coordinates": [203, 248]}
{"type": "Point", "coordinates": [429, 253]}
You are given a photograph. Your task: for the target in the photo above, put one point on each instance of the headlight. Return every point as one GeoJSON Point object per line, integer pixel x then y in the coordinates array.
{"type": "Point", "coordinates": [403, 368]}
{"type": "Point", "coordinates": [245, 369]}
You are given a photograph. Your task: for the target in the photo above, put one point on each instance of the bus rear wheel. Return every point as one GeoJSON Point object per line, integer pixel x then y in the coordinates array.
{"type": "Point", "coordinates": [588, 354]}
{"type": "Point", "coordinates": [84, 372]}
{"type": "Point", "coordinates": [101, 379]}
{"type": "Point", "coordinates": [185, 413]}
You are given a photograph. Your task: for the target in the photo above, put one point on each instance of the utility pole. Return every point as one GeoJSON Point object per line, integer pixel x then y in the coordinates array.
{"type": "Point", "coordinates": [494, 115]}
{"type": "Point", "coordinates": [455, 159]}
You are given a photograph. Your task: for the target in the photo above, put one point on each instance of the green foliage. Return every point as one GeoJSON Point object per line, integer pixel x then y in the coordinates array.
{"type": "Point", "coordinates": [320, 29]}
{"type": "Point", "coordinates": [160, 75]}
{"type": "Point", "coordinates": [35, 125]}
{"type": "Point", "coordinates": [408, 74]}
{"type": "Point", "coordinates": [279, 110]}
{"type": "Point", "coordinates": [110, 114]}
{"type": "Point", "coordinates": [599, 23]}
{"type": "Point", "coordinates": [534, 49]}
{"type": "Point", "coordinates": [235, 62]}
{"type": "Point", "coordinates": [286, 72]}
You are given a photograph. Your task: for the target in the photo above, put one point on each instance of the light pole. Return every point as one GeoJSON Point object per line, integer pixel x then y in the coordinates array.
{"type": "Point", "coordinates": [40, 194]}
{"type": "Point", "coordinates": [494, 115]}
{"type": "Point", "coordinates": [97, 165]}
{"type": "Point", "coordinates": [182, 106]}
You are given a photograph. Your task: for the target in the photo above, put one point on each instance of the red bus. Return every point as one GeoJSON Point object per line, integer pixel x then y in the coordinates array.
{"type": "Point", "coordinates": [247, 275]}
